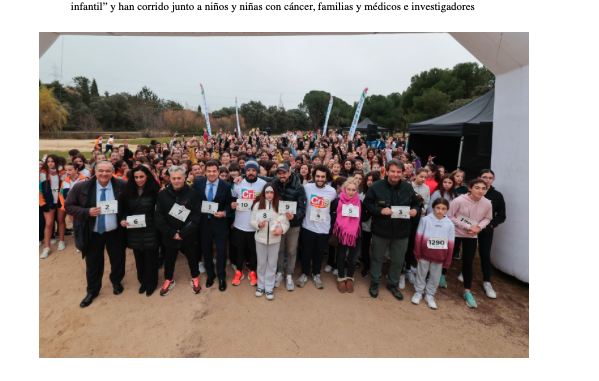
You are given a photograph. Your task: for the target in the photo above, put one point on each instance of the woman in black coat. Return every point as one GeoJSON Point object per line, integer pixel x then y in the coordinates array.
{"type": "Point", "coordinates": [137, 202]}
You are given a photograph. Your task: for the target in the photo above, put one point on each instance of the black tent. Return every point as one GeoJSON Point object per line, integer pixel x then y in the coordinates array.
{"type": "Point", "coordinates": [363, 124]}
{"type": "Point", "coordinates": [453, 138]}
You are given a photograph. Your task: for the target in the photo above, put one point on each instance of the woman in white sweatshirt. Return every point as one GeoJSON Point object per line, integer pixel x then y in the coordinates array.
{"type": "Point", "coordinates": [269, 225]}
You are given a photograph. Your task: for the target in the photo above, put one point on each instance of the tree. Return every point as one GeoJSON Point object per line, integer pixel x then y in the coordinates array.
{"type": "Point", "coordinates": [317, 103]}
{"type": "Point", "coordinates": [342, 113]}
{"type": "Point", "coordinates": [88, 123]}
{"type": "Point", "coordinates": [94, 89]}
{"type": "Point", "coordinates": [429, 105]}
{"type": "Point", "coordinates": [253, 112]}
{"type": "Point", "coordinates": [172, 105]}
{"type": "Point", "coordinates": [383, 110]}
{"type": "Point", "coordinates": [298, 120]}
{"type": "Point", "coordinates": [145, 94]}
{"type": "Point", "coordinates": [52, 114]}
{"type": "Point", "coordinates": [82, 87]}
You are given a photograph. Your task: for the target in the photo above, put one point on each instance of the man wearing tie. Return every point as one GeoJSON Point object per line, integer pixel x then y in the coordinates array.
{"type": "Point", "coordinates": [213, 225]}
{"type": "Point", "coordinates": [95, 225]}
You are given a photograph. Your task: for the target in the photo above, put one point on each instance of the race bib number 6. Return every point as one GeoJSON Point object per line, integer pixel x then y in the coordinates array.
{"type": "Point", "coordinates": [437, 243]}
{"type": "Point", "coordinates": [318, 215]}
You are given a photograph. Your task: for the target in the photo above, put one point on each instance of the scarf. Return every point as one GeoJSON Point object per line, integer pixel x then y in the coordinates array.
{"type": "Point", "coordinates": [347, 228]}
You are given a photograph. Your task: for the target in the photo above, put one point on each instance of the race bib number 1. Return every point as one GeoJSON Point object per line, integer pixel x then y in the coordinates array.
{"type": "Point", "coordinates": [287, 206]}
{"type": "Point", "coordinates": [400, 212]}
{"type": "Point", "coordinates": [244, 205]}
{"type": "Point", "coordinates": [350, 211]}
{"type": "Point", "coordinates": [467, 220]}
{"type": "Point", "coordinates": [209, 207]}
{"type": "Point", "coordinates": [318, 215]}
{"type": "Point", "coordinates": [108, 207]}
{"type": "Point", "coordinates": [180, 212]}
{"type": "Point", "coordinates": [437, 243]}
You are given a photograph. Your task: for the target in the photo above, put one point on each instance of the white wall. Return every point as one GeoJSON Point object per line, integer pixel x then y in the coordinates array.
{"type": "Point", "coordinates": [510, 163]}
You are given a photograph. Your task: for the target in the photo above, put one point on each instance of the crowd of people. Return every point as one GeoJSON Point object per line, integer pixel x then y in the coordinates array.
{"type": "Point", "coordinates": [261, 204]}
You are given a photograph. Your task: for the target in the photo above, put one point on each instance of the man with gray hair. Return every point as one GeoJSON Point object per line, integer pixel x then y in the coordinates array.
{"type": "Point", "coordinates": [177, 217]}
{"type": "Point", "coordinates": [93, 205]}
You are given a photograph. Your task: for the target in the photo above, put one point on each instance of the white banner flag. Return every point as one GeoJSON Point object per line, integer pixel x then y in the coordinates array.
{"type": "Point", "coordinates": [354, 124]}
{"type": "Point", "coordinates": [326, 121]}
{"type": "Point", "coordinates": [206, 112]}
{"type": "Point", "coordinates": [237, 113]}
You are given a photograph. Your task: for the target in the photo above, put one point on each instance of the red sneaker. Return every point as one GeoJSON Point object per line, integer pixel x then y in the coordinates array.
{"type": "Point", "coordinates": [238, 277]}
{"type": "Point", "coordinates": [168, 286]}
{"type": "Point", "coordinates": [253, 278]}
{"type": "Point", "coordinates": [195, 285]}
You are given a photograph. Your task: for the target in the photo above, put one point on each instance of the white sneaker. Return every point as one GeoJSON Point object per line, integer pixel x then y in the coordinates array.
{"type": "Point", "coordinates": [45, 253]}
{"type": "Point", "coordinates": [461, 278]}
{"type": "Point", "coordinates": [61, 245]}
{"type": "Point", "coordinates": [270, 295]}
{"type": "Point", "coordinates": [335, 272]}
{"type": "Point", "coordinates": [278, 279]}
{"type": "Point", "coordinates": [327, 269]}
{"type": "Point", "coordinates": [411, 277]}
{"type": "Point", "coordinates": [431, 301]}
{"type": "Point", "coordinates": [259, 292]}
{"type": "Point", "coordinates": [416, 298]}
{"type": "Point", "coordinates": [489, 290]}
{"type": "Point", "coordinates": [289, 283]}
{"type": "Point", "coordinates": [52, 241]}
{"type": "Point", "coordinates": [402, 281]}
{"type": "Point", "coordinates": [79, 251]}
{"type": "Point", "coordinates": [202, 268]}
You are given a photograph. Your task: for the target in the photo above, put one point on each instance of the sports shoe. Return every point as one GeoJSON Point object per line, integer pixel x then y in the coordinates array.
{"type": "Point", "coordinates": [195, 285]}
{"type": "Point", "coordinates": [395, 291]}
{"type": "Point", "coordinates": [402, 281]}
{"type": "Point", "coordinates": [270, 295]}
{"type": "Point", "coordinates": [317, 282]}
{"type": "Point", "coordinates": [430, 300]}
{"type": "Point", "coordinates": [335, 272]}
{"type": "Point", "coordinates": [461, 278]}
{"type": "Point", "coordinates": [489, 290]}
{"type": "Point", "coordinates": [278, 279]}
{"type": "Point", "coordinates": [168, 286]}
{"type": "Point", "coordinates": [61, 245]}
{"type": "Point", "coordinates": [79, 251]}
{"type": "Point", "coordinates": [327, 269]}
{"type": "Point", "coordinates": [234, 266]}
{"type": "Point", "coordinates": [301, 281]}
{"type": "Point", "coordinates": [253, 278]}
{"type": "Point", "coordinates": [416, 298]}
{"type": "Point", "coordinates": [374, 289]}
{"type": "Point", "coordinates": [238, 277]}
{"type": "Point", "coordinates": [442, 282]}
{"type": "Point", "coordinates": [289, 283]}
{"type": "Point", "coordinates": [259, 292]}
{"type": "Point", "coordinates": [411, 277]}
{"type": "Point", "coordinates": [457, 255]}
{"type": "Point", "coordinates": [52, 241]}
{"type": "Point", "coordinates": [45, 253]}
{"type": "Point", "coordinates": [470, 300]}
{"type": "Point", "coordinates": [365, 273]}
{"type": "Point", "coordinates": [202, 268]}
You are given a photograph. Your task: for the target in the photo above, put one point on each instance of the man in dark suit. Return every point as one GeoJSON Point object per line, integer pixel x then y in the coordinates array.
{"type": "Point", "coordinates": [213, 227]}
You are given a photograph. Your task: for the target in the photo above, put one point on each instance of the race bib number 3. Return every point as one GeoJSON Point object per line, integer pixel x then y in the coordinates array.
{"type": "Point", "coordinates": [400, 212]}
{"type": "Point", "coordinates": [180, 212]}
{"type": "Point", "coordinates": [209, 207]}
{"type": "Point", "coordinates": [437, 243]}
{"type": "Point", "coordinates": [137, 221]}
{"type": "Point", "coordinates": [244, 205]}
{"type": "Point", "coordinates": [108, 207]}
{"type": "Point", "coordinates": [318, 215]}
{"type": "Point", "coordinates": [287, 206]}
{"type": "Point", "coordinates": [350, 211]}
{"type": "Point", "coordinates": [467, 220]}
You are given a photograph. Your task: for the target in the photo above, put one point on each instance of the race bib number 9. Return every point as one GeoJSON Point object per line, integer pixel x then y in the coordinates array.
{"type": "Point", "coordinates": [318, 215]}
{"type": "Point", "coordinates": [467, 220]}
{"type": "Point", "coordinates": [400, 212]}
{"type": "Point", "coordinates": [209, 207]}
{"type": "Point", "coordinates": [437, 243]}
{"type": "Point", "coordinates": [180, 212]}
{"type": "Point", "coordinates": [108, 207]}
{"type": "Point", "coordinates": [244, 205]}
{"type": "Point", "coordinates": [287, 206]}
{"type": "Point", "coordinates": [350, 211]}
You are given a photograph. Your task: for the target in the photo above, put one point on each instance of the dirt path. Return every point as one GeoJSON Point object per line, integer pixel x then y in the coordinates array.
{"type": "Point", "coordinates": [304, 323]}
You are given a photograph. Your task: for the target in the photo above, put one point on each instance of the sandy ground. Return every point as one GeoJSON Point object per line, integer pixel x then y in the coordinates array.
{"type": "Point", "coordinates": [67, 144]}
{"type": "Point", "coordinates": [304, 323]}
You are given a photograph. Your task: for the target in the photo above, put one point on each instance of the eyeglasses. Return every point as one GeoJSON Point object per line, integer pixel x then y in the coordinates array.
{"type": "Point", "coordinates": [487, 178]}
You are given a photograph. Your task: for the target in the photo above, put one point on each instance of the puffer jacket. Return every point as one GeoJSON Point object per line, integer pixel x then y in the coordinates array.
{"type": "Point", "coordinates": [169, 225]}
{"type": "Point", "coordinates": [292, 191]}
{"type": "Point", "coordinates": [265, 235]}
{"type": "Point", "coordinates": [140, 238]}
{"type": "Point", "coordinates": [384, 195]}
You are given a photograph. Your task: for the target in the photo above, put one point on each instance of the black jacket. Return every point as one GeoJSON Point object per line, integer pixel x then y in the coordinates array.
{"type": "Point", "coordinates": [383, 195]}
{"type": "Point", "coordinates": [498, 204]}
{"type": "Point", "coordinates": [140, 238]}
{"type": "Point", "coordinates": [292, 191]}
{"type": "Point", "coordinates": [80, 199]}
{"type": "Point", "coordinates": [169, 225]}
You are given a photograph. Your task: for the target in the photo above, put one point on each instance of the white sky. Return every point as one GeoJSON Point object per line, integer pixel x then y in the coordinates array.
{"type": "Point", "coordinates": [251, 68]}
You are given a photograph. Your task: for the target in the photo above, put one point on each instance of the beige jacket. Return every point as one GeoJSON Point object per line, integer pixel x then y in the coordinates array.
{"type": "Point", "coordinates": [265, 235]}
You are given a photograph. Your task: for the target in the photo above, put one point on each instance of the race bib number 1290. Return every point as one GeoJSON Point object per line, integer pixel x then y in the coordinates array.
{"type": "Point", "coordinates": [437, 243]}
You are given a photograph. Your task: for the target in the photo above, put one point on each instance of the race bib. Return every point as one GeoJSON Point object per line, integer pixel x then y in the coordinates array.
{"type": "Point", "coordinates": [137, 221]}
{"type": "Point", "coordinates": [287, 206]}
{"type": "Point", "coordinates": [350, 211]}
{"type": "Point", "coordinates": [265, 215]}
{"type": "Point", "coordinates": [400, 212]}
{"type": "Point", "coordinates": [318, 215]}
{"type": "Point", "coordinates": [55, 189]}
{"type": "Point", "coordinates": [467, 220]}
{"type": "Point", "coordinates": [209, 207]}
{"type": "Point", "coordinates": [244, 205]}
{"type": "Point", "coordinates": [108, 207]}
{"type": "Point", "coordinates": [437, 243]}
{"type": "Point", "coordinates": [180, 212]}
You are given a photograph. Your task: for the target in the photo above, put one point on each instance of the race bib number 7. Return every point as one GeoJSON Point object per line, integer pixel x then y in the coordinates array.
{"type": "Point", "coordinates": [180, 212]}
{"type": "Point", "coordinates": [437, 243]}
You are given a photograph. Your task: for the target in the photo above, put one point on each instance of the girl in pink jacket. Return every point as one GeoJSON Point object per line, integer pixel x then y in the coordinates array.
{"type": "Point", "coordinates": [470, 213]}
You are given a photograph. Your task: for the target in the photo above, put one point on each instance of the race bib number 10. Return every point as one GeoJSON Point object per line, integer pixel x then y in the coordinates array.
{"type": "Point", "coordinates": [244, 205]}
{"type": "Point", "coordinates": [437, 243]}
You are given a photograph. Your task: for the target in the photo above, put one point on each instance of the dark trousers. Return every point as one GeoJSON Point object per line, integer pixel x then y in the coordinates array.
{"type": "Point", "coordinates": [232, 247]}
{"type": "Point", "coordinates": [146, 262]}
{"type": "Point", "coordinates": [352, 258]}
{"type": "Point", "coordinates": [485, 241]}
{"type": "Point", "coordinates": [94, 260]}
{"type": "Point", "coordinates": [245, 249]}
{"type": "Point", "coordinates": [108, 148]}
{"type": "Point", "coordinates": [208, 237]}
{"type": "Point", "coordinates": [468, 253]}
{"type": "Point", "coordinates": [42, 224]}
{"type": "Point", "coordinates": [366, 237]}
{"type": "Point", "coordinates": [314, 245]}
{"type": "Point", "coordinates": [331, 261]}
{"type": "Point", "coordinates": [410, 258]}
{"type": "Point", "coordinates": [191, 252]}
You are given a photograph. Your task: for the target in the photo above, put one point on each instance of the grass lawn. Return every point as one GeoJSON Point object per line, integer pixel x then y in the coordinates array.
{"type": "Point", "coordinates": [133, 143]}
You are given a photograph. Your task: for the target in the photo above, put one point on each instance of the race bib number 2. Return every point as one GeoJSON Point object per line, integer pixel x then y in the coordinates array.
{"type": "Point", "coordinates": [108, 207]}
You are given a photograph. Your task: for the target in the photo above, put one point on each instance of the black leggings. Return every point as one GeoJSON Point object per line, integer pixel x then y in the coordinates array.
{"type": "Point", "coordinates": [410, 258]}
{"type": "Point", "coordinates": [468, 253]}
{"type": "Point", "coordinates": [366, 237]}
{"type": "Point", "coordinates": [485, 241]}
{"type": "Point", "coordinates": [146, 263]}
{"type": "Point", "coordinates": [352, 258]}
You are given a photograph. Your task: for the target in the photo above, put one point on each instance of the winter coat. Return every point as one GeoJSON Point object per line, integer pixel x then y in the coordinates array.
{"type": "Point", "coordinates": [140, 238]}
{"type": "Point", "coordinates": [169, 225]}
{"type": "Point", "coordinates": [292, 191]}
{"type": "Point", "coordinates": [498, 204]}
{"type": "Point", "coordinates": [265, 235]}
